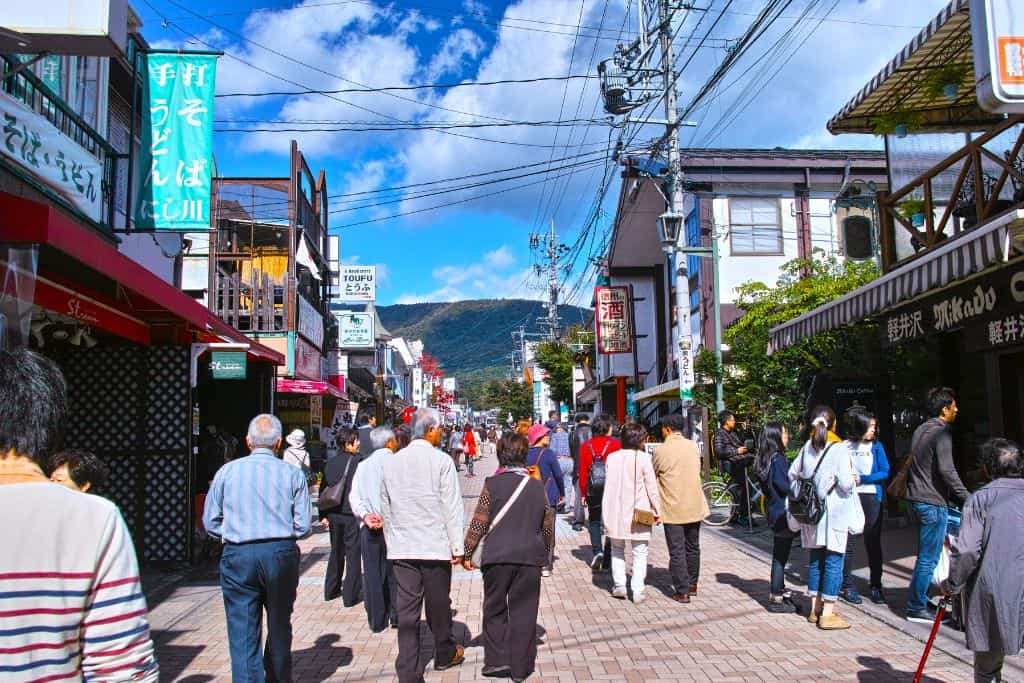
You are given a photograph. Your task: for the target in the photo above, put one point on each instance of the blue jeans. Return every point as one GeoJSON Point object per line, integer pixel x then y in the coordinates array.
{"type": "Point", "coordinates": [931, 532]}
{"type": "Point", "coordinates": [253, 577]}
{"type": "Point", "coordinates": [825, 573]}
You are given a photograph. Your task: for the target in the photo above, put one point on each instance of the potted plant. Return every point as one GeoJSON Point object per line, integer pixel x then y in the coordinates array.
{"type": "Point", "coordinates": [944, 82]}
{"type": "Point", "coordinates": [913, 210]}
{"type": "Point", "coordinates": [898, 123]}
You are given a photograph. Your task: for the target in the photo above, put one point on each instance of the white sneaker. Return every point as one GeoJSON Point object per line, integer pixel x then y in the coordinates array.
{"type": "Point", "coordinates": [619, 593]}
{"type": "Point", "coordinates": [545, 573]}
{"type": "Point", "coordinates": [638, 598]}
{"type": "Point", "coordinates": [595, 563]}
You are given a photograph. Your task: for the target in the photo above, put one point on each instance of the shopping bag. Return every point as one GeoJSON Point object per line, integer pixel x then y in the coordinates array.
{"type": "Point", "coordinates": [941, 572]}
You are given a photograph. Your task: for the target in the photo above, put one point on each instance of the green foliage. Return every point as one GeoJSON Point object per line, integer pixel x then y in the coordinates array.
{"type": "Point", "coordinates": [761, 387]}
{"type": "Point", "coordinates": [557, 359]}
{"type": "Point", "coordinates": [909, 208]}
{"type": "Point", "coordinates": [885, 124]}
{"type": "Point", "coordinates": [935, 82]}
{"type": "Point", "coordinates": [706, 371]}
{"type": "Point", "coordinates": [508, 396]}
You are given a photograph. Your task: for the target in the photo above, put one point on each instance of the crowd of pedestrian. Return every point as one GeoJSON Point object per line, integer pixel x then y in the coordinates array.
{"type": "Point", "coordinates": [391, 501]}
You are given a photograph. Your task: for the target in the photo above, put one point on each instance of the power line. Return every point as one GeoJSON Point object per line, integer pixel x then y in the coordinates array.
{"type": "Point", "coordinates": [400, 127]}
{"type": "Point", "coordinates": [422, 86]}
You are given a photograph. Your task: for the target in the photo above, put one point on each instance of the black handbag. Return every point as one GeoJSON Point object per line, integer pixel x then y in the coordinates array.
{"type": "Point", "coordinates": [804, 504]}
{"type": "Point", "coordinates": [333, 495]}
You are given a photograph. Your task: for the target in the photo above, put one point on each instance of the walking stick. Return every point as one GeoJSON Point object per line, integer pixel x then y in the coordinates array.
{"type": "Point", "coordinates": [939, 613]}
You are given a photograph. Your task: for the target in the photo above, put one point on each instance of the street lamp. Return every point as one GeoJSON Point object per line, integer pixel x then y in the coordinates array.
{"type": "Point", "coordinates": [670, 224]}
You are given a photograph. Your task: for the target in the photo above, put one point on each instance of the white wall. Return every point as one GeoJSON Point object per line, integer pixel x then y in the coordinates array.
{"type": "Point", "coordinates": [155, 251]}
{"type": "Point", "coordinates": [737, 270]}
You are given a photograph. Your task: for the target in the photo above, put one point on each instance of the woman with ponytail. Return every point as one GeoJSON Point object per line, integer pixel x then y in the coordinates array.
{"type": "Point", "coordinates": [835, 483]}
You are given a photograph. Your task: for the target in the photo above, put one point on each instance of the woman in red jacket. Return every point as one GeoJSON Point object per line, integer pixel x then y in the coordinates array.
{"type": "Point", "coordinates": [469, 449]}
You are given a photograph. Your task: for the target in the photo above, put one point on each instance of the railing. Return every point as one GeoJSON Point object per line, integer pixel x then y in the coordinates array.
{"type": "Point", "coordinates": [986, 185]}
{"type": "Point", "coordinates": [28, 89]}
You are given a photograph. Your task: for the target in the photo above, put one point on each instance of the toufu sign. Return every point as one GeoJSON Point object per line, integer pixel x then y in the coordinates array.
{"type": "Point", "coordinates": [358, 283]}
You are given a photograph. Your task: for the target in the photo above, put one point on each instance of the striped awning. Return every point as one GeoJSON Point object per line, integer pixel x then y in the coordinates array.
{"type": "Point", "coordinates": [969, 253]}
{"type": "Point", "coordinates": [902, 85]}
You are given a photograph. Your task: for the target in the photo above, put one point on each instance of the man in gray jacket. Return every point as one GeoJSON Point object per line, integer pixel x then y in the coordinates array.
{"type": "Point", "coordinates": [421, 503]}
{"type": "Point", "coordinates": [986, 560]}
{"type": "Point", "coordinates": [932, 482]}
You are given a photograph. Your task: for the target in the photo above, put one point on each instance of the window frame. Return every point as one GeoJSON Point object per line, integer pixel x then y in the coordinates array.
{"type": "Point", "coordinates": [733, 251]}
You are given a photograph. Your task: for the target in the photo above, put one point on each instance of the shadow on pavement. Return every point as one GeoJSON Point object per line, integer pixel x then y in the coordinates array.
{"type": "Point", "coordinates": [314, 664]}
{"type": "Point", "coordinates": [878, 670]}
{"type": "Point", "coordinates": [175, 659]}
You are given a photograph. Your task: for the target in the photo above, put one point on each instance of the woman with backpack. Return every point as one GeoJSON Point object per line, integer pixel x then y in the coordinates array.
{"type": "Point", "coordinates": [594, 454]}
{"type": "Point", "coordinates": [542, 464]}
{"type": "Point", "coordinates": [630, 509]}
{"type": "Point", "coordinates": [513, 516]}
{"type": "Point", "coordinates": [824, 507]}
{"type": "Point", "coordinates": [772, 469]}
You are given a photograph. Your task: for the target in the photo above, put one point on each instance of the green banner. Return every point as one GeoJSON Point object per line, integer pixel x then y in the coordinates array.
{"type": "Point", "coordinates": [176, 161]}
{"type": "Point", "coordinates": [228, 364]}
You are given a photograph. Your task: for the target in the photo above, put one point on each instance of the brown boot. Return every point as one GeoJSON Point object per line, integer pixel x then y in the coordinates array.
{"type": "Point", "coordinates": [832, 622]}
{"type": "Point", "coordinates": [693, 589]}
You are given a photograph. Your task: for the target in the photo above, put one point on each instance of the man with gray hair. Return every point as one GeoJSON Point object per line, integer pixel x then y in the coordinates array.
{"type": "Point", "coordinates": [378, 578]}
{"type": "Point", "coordinates": [423, 523]}
{"type": "Point", "coordinates": [257, 507]}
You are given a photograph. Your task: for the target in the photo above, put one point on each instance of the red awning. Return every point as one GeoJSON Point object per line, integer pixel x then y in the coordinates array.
{"type": "Point", "coordinates": [299, 386]}
{"type": "Point", "coordinates": [147, 301]}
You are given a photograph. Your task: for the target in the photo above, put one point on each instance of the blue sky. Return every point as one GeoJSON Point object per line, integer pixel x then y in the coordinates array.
{"type": "Point", "coordinates": [781, 94]}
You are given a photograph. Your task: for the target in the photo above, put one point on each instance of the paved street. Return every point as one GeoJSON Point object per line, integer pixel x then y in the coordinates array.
{"type": "Point", "coordinates": [724, 635]}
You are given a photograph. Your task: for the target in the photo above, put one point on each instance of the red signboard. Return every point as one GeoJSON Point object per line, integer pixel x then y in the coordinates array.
{"type": "Point", "coordinates": [613, 318]}
{"type": "Point", "coordinates": [298, 386]}
{"type": "Point", "coordinates": [88, 311]}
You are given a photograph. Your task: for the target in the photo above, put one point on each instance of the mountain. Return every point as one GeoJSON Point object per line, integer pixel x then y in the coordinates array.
{"type": "Point", "coordinates": [472, 339]}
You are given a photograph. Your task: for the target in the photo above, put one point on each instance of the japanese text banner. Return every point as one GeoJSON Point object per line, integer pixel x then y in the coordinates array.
{"type": "Point", "coordinates": [176, 161]}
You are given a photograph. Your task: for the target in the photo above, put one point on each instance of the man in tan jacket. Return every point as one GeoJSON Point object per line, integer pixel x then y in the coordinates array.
{"type": "Point", "coordinates": [683, 506]}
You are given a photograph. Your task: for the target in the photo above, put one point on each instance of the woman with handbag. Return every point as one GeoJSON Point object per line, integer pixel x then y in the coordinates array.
{"type": "Point", "coordinates": [872, 467]}
{"type": "Point", "coordinates": [630, 508]}
{"type": "Point", "coordinates": [830, 467]}
{"type": "Point", "coordinates": [514, 518]}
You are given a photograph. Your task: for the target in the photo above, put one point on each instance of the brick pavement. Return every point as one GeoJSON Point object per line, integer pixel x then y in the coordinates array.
{"type": "Point", "coordinates": [585, 635]}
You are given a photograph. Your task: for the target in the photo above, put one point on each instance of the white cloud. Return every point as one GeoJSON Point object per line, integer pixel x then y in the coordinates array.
{"type": "Point", "coordinates": [500, 258]}
{"type": "Point", "coordinates": [458, 48]}
{"type": "Point", "coordinates": [493, 276]}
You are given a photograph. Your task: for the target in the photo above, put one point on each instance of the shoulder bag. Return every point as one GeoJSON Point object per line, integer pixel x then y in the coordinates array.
{"type": "Point", "coordinates": [478, 553]}
{"type": "Point", "coordinates": [331, 497]}
{"type": "Point", "coordinates": [898, 486]}
{"type": "Point", "coordinates": [804, 504]}
{"type": "Point", "coordinates": [641, 517]}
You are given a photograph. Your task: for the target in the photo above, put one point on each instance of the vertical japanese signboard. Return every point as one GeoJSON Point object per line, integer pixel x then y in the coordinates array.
{"type": "Point", "coordinates": [176, 160]}
{"type": "Point", "coordinates": [614, 322]}
{"type": "Point", "coordinates": [997, 34]}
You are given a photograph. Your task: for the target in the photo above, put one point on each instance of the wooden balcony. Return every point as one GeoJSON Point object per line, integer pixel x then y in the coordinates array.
{"type": "Point", "coordinates": [986, 185]}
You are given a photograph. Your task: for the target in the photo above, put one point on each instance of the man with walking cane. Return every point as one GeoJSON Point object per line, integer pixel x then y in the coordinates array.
{"type": "Point", "coordinates": [986, 561]}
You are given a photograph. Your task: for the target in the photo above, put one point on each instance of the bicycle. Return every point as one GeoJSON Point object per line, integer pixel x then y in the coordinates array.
{"type": "Point", "coordinates": [723, 499]}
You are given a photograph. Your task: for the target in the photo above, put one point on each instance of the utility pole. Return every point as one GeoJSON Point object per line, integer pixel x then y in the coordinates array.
{"type": "Point", "coordinates": [551, 254]}
{"type": "Point", "coordinates": [684, 353]}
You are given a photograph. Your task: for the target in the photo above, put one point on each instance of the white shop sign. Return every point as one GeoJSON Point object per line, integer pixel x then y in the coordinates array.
{"type": "Point", "coordinates": [311, 323]}
{"type": "Point", "coordinates": [355, 330]}
{"type": "Point", "coordinates": [357, 283]}
{"type": "Point", "coordinates": [54, 159]}
{"type": "Point", "coordinates": [997, 31]}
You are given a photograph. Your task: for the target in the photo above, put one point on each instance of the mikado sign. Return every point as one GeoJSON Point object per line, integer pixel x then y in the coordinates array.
{"type": "Point", "coordinates": [358, 283]}
{"type": "Point", "coordinates": [176, 162]}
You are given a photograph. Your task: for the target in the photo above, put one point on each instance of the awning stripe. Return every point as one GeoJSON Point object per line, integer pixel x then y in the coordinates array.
{"type": "Point", "coordinates": [969, 253]}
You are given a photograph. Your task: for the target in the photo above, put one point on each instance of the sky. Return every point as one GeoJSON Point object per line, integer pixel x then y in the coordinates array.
{"type": "Point", "coordinates": [469, 238]}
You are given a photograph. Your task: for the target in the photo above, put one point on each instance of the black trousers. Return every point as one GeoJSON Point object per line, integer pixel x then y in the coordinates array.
{"type": "Point", "coordinates": [511, 599]}
{"type": "Point", "coordinates": [345, 554]}
{"type": "Point", "coordinates": [423, 583]}
{"type": "Point", "coordinates": [872, 541]}
{"type": "Point", "coordinates": [738, 474]}
{"type": "Point", "coordinates": [379, 589]}
{"type": "Point", "coordinates": [683, 554]}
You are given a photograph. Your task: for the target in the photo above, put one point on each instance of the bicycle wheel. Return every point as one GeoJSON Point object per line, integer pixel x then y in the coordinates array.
{"type": "Point", "coordinates": [721, 503]}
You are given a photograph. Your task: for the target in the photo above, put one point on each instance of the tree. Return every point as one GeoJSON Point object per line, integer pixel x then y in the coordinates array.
{"type": "Point", "coordinates": [508, 396]}
{"type": "Point", "coordinates": [557, 358]}
{"type": "Point", "coordinates": [762, 386]}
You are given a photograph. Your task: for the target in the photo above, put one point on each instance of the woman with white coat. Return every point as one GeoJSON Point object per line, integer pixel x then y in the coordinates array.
{"type": "Point", "coordinates": [835, 481]}
{"type": "Point", "coordinates": [630, 484]}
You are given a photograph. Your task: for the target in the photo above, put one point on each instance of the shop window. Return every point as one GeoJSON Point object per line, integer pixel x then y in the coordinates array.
{"type": "Point", "coordinates": [87, 91]}
{"type": "Point", "coordinates": [755, 226]}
